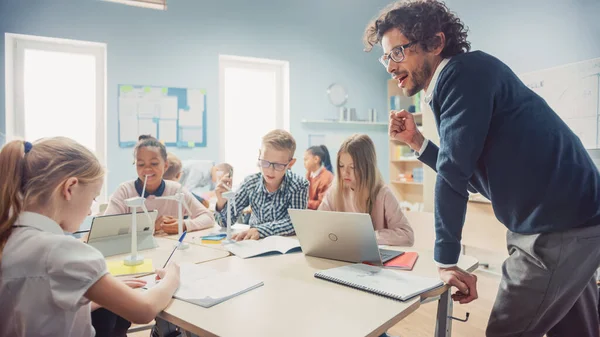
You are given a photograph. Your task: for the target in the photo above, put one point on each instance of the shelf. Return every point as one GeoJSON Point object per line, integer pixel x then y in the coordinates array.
{"type": "Point", "coordinates": [350, 123]}
{"type": "Point", "coordinates": [397, 182]}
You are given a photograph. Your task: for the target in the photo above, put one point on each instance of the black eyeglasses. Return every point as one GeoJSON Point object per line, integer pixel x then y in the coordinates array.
{"type": "Point", "coordinates": [277, 166]}
{"type": "Point", "coordinates": [396, 54]}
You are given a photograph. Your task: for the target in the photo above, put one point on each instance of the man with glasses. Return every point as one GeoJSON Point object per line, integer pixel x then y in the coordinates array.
{"type": "Point", "coordinates": [269, 193]}
{"type": "Point", "coordinates": [498, 138]}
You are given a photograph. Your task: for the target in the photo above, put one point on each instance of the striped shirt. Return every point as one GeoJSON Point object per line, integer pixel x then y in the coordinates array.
{"type": "Point", "coordinates": [269, 210]}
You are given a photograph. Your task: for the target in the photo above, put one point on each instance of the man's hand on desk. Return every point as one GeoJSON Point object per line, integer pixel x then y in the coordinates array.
{"type": "Point", "coordinates": [251, 234]}
{"type": "Point", "coordinates": [464, 281]}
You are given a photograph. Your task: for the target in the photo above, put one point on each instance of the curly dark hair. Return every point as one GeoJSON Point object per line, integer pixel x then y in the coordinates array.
{"type": "Point", "coordinates": [420, 20]}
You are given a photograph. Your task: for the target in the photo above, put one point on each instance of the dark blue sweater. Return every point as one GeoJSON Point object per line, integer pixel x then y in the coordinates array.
{"type": "Point", "coordinates": [499, 138]}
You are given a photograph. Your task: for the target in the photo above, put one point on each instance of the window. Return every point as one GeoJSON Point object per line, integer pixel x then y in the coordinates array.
{"type": "Point", "coordinates": [56, 88]}
{"type": "Point", "coordinates": [254, 99]}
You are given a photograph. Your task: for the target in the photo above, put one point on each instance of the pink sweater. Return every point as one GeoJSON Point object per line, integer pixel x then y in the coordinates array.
{"type": "Point", "coordinates": [390, 224]}
{"type": "Point", "coordinates": [201, 218]}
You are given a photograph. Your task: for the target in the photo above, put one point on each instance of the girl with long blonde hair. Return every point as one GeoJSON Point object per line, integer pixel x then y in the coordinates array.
{"type": "Point", "coordinates": [359, 188]}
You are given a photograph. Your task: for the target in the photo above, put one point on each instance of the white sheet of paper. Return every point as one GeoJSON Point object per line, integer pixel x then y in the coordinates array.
{"type": "Point", "coordinates": [201, 282]}
{"type": "Point", "coordinates": [128, 129]}
{"type": "Point", "coordinates": [192, 135]}
{"type": "Point", "coordinates": [128, 107]}
{"type": "Point", "coordinates": [147, 127]}
{"type": "Point", "coordinates": [168, 130]}
{"type": "Point", "coordinates": [191, 117]}
{"type": "Point", "coordinates": [168, 107]}
{"type": "Point", "coordinates": [195, 99]}
{"type": "Point", "coordinates": [149, 108]}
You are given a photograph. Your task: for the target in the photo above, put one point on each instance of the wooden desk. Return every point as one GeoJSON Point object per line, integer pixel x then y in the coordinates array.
{"type": "Point", "coordinates": [194, 254]}
{"type": "Point", "coordinates": [293, 302]}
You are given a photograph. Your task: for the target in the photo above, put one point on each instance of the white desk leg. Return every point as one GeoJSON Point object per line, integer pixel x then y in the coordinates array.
{"type": "Point", "coordinates": [443, 325]}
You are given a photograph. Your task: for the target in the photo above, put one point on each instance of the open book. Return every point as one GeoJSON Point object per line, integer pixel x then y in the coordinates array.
{"type": "Point", "coordinates": [269, 245]}
{"type": "Point", "coordinates": [205, 286]}
{"type": "Point", "coordinates": [393, 284]}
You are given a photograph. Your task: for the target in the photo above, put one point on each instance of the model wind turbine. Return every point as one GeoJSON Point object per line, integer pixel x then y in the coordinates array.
{"type": "Point", "coordinates": [180, 198]}
{"type": "Point", "coordinates": [230, 197]}
{"type": "Point", "coordinates": [134, 259]}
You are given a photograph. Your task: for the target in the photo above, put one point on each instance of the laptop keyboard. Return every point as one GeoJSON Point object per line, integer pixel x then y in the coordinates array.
{"type": "Point", "coordinates": [387, 254]}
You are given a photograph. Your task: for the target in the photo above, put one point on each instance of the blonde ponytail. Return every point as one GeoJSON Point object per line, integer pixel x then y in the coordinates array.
{"type": "Point", "coordinates": [11, 183]}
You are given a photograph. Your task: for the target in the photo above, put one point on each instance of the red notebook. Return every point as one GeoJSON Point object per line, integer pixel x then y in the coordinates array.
{"type": "Point", "coordinates": [405, 261]}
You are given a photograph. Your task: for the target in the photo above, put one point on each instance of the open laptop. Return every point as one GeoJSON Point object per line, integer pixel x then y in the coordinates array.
{"type": "Point", "coordinates": [111, 234]}
{"type": "Point", "coordinates": [340, 236]}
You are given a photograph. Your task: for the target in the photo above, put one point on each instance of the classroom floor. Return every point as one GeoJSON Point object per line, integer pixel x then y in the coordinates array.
{"type": "Point", "coordinates": [422, 322]}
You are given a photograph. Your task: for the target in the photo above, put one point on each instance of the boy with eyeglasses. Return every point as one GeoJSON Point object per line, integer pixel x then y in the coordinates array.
{"type": "Point", "coordinates": [269, 193]}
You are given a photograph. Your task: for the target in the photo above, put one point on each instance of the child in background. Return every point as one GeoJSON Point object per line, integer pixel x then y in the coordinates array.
{"type": "Point", "coordinates": [320, 174]}
{"type": "Point", "coordinates": [360, 189]}
{"type": "Point", "coordinates": [151, 162]}
{"type": "Point", "coordinates": [174, 172]}
{"type": "Point", "coordinates": [47, 278]}
{"type": "Point", "coordinates": [201, 177]}
{"type": "Point", "coordinates": [270, 192]}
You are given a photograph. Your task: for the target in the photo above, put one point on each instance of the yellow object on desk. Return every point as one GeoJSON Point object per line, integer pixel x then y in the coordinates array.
{"type": "Point", "coordinates": [117, 268]}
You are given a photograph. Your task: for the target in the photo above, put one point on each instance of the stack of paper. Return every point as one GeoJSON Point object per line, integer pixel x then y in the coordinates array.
{"type": "Point", "coordinates": [205, 286]}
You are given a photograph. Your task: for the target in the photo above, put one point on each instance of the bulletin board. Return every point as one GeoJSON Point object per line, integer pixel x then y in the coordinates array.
{"type": "Point", "coordinates": [175, 116]}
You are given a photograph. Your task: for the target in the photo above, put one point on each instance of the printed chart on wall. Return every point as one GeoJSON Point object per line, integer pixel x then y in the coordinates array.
{"type": "Point", "coordinates": [573, 91]}
{"type": "Point", "coordinates": [175, 116]}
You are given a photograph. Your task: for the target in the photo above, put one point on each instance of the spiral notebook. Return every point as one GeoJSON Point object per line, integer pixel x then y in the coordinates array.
{"type": "Point", "coordinates": [393, 284]}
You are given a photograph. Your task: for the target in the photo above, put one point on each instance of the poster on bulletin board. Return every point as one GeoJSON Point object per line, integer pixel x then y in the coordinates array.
{"type": "Point", "coordinates": [175, 116]}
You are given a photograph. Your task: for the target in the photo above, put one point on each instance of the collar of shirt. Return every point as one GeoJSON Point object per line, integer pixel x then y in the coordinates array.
{"type": "Point", "coordinates": [262, 188]}
{"type": "Point", "coordinates": [316, 173]}
{"type": "Point", "coordinates": [38, 221]}
{"type": "Point", "coordinates": [436, 74]}
{"type": "Point", "coordinates": [139, 186]}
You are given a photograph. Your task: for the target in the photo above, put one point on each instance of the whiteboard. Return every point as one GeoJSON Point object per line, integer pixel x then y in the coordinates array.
{"type": "Point", "coordinates": [573, 91]}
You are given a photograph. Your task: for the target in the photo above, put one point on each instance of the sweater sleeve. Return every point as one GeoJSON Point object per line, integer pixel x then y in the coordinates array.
{"type": "Point", "coordinates": [321, 191]}
{"type": "Point", "coordinates": [328, 204]}
{"type": "Point", "coordinates": [116, 204]}
{"type": "Point", "coordinates": [466, 101]}
{"type": "Point", "coordinates": [398, 231]}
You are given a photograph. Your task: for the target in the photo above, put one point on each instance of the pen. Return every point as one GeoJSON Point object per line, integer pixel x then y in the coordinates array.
{"type": "Point", "coordinates": [176, 246]}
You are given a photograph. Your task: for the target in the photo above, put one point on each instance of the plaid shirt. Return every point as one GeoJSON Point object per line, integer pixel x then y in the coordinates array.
{"type": "Point", "coordinates": [269, 210]}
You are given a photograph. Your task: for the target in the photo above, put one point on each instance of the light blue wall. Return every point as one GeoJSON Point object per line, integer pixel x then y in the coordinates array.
{"type": "Point", "coordinates": [533, 34]}
{"type": "Point", "coordinates": [320, 38]}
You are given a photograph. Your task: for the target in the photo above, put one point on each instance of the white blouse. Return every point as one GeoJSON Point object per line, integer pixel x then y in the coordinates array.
{"type": "Point", "coordinates": [43, 277]}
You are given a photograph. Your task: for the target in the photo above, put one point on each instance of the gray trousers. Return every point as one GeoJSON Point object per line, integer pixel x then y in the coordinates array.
{"type": "Point", "coordinates": [549, 286]}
